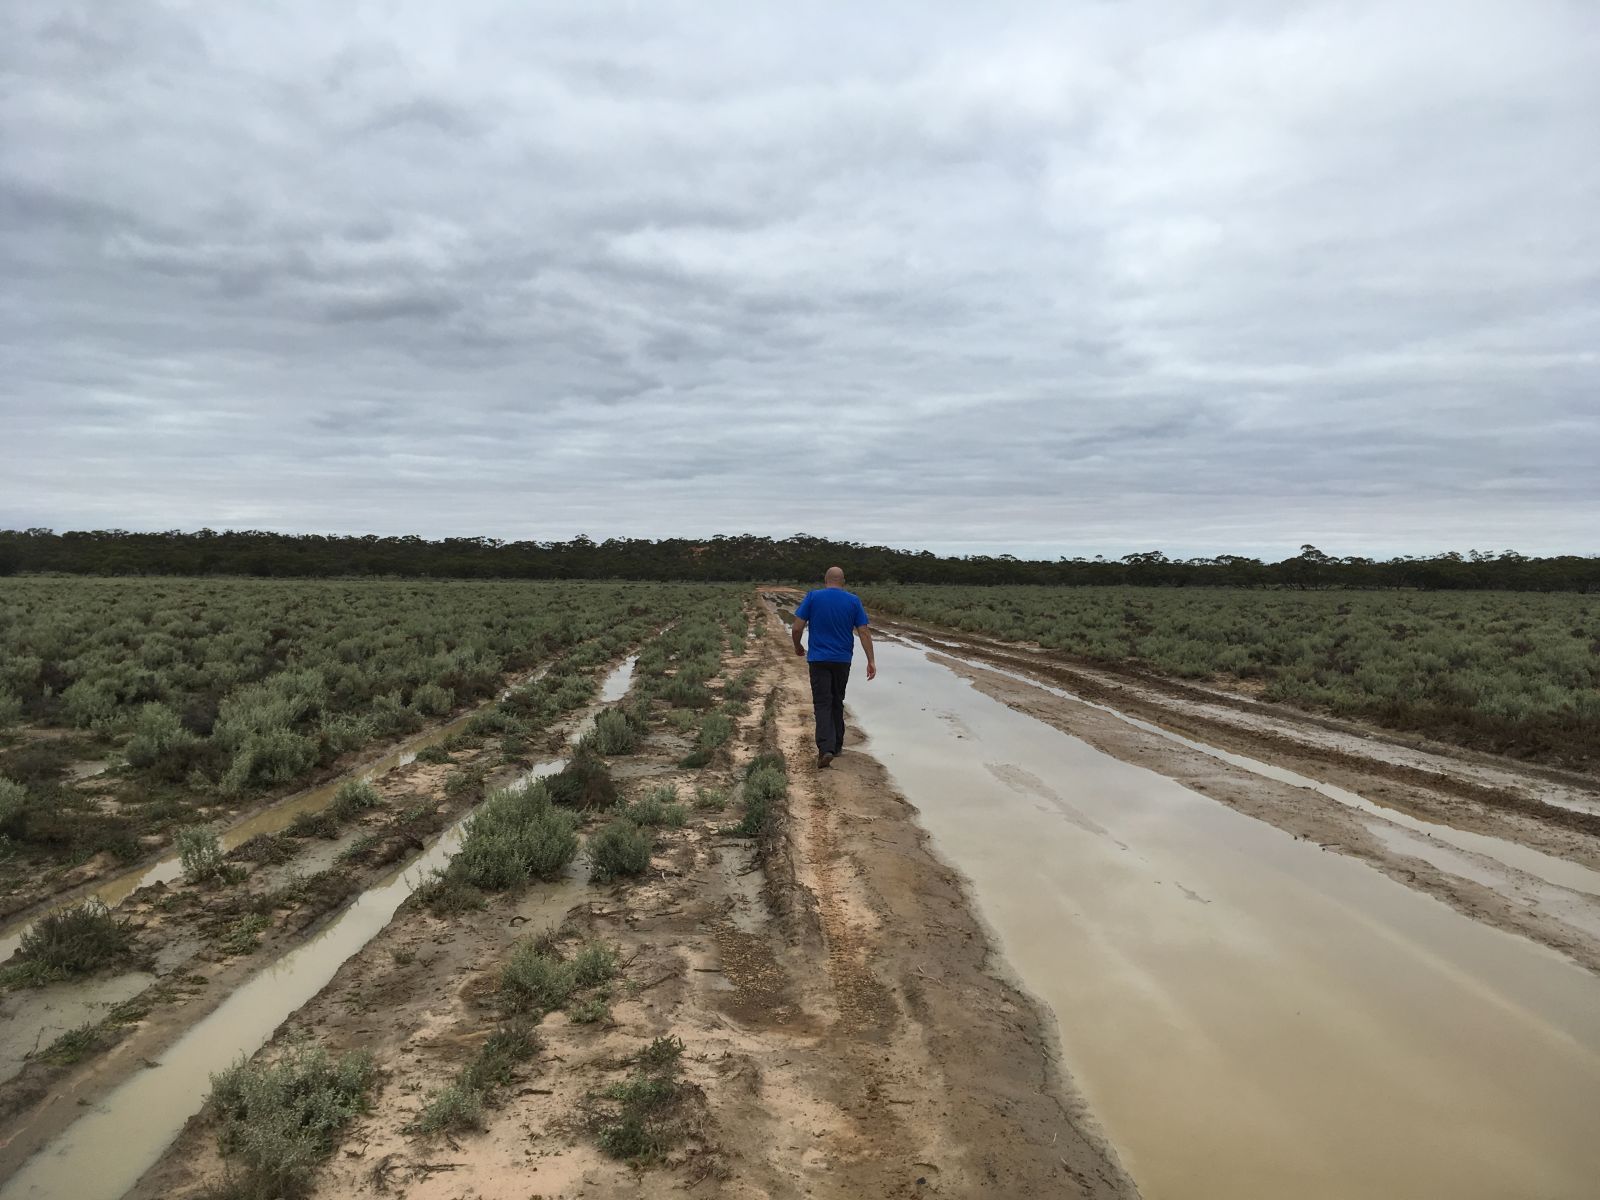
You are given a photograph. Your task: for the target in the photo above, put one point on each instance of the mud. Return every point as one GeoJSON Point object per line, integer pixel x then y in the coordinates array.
{"type": "Point", "coordinates": [1248, 1014]}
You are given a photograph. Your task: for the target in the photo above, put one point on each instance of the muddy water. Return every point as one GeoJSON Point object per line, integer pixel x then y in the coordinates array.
{"type": "Point", "coordinates": [1248, 1016]}
{"type": "Point", "coordinates": [274, 819]}
{"type": "Point", "coordinates": [280, 816]}
{"type": "Point", "coordinates": [1545, 867]}
{"type": "Point", "coordinates": [105, 1151]}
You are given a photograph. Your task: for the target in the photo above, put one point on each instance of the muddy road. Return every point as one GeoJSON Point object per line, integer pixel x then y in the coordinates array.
{"type": "Point", "coordinates": [1250, 1008]}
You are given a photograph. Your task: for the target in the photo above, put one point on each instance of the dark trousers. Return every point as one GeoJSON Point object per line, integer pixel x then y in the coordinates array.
{"type": "Point", "coordinates": [828, 680]}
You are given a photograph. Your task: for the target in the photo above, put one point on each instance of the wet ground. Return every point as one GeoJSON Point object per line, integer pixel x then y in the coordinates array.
{"type": "Point", "coordinates": [1248, 1014]}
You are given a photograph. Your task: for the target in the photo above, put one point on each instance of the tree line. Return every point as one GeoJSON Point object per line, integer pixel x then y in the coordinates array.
{"type": "Point", "coordinates": [262, 554]}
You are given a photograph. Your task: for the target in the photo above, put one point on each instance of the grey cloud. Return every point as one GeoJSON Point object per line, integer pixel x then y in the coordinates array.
{"type": "Point", "coordinates": [1080, 278]}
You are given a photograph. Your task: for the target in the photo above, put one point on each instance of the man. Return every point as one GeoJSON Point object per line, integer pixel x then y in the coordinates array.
{"type": "Point", "coordinates": [833, 615]}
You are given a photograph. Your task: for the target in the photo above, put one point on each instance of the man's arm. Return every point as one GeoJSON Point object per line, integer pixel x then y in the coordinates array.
{"type": "Point", "coordinates": [865, 635]}
{"type": "Point", "coordinates": [796, 628]}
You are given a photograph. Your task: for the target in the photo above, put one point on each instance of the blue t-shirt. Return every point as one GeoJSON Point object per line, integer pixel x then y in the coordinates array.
{"type": "Point", "coordinates": [833, 614]}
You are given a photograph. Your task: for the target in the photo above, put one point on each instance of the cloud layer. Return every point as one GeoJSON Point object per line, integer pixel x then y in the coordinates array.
{"type": "Point", "coordinates": [1042, 278]}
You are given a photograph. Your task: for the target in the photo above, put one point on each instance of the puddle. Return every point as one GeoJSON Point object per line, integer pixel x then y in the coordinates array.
{"type": "Point", "coordinates": [30, 1020]}
{"type": "Point", "coordinates": [612, 688]}
{"type": "Point", "coordinates": [269, 820]}
{"type": "Point", "coordinates": [1248, 1016]}
{"type": "Point", "coordinates": [1561, 903]}
{"type": "Point", "coordinates": [105, 1151]}
{"type": "Point", "coordinates": [1549, 868]}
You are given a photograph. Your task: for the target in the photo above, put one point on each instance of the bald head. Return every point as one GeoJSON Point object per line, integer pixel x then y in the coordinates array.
{"type": "Point", "coordinates": [834, 577]}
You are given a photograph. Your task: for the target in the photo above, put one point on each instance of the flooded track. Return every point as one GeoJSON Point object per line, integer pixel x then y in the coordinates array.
{"type": "Point", "coordinates": [103, 1153]}
{"type": "Point", "coordinates": [1248, 1015]}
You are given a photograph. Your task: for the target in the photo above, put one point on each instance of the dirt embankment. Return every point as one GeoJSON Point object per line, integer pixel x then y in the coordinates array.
{"type": "Point", "coordinates": [846, 1028]}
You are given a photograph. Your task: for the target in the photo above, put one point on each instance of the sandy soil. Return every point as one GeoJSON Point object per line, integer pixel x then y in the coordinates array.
{"type": "Point", "coordinates": [847, 1029]}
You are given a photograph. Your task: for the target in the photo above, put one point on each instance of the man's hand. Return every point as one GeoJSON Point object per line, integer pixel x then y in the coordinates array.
{"type": "Point", "coordinates": [872, 670]}
{"type": "Point", "coordinates": [799, 649]}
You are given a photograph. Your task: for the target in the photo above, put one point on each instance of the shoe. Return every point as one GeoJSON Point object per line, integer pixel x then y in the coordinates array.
{"type": "Point", "coordinates": [823, 760]}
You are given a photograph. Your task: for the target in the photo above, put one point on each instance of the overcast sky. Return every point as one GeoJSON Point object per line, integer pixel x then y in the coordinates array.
{"type": "Point", "coordinates": [1050, 279]}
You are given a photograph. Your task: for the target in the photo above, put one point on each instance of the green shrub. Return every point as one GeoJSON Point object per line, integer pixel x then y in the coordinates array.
{"type": "Point", "coordinates": [432, 700]}
{"type": "Point", "coordinates": [618, 848]}
{"type": "Point", "coordinates": [590, 1011]}
{"type": "Point", "coordinates": [13, 807]}
{"type": "Point", "coordinates": [69, 942]}
{"type": "Point", "coordinates": [595, 964]}
{"type": "Point", "coordinates": [157, 734]}
{"type": "Point", "coordinates": [199, 853]}
{"type": "Point", "coordinates": [10, 709]}
{"type": "Point", "coordinates": [635, 1119]}
{"type": "Point", "coordinates": [433, 754]}
{"type": "Point", "coordinates": [584, 783]}
{"type": "Point", "coordinates": [513, 837]}
{"type": "Point", "coordinates": [716, 730]}
{"type": "Point", "coordinates": [280, 1120]}
{"type": "Point", "coordinates": [535, 980]}
{"type": "Point", "coordinates": [614, 733]}
{"type": "Point", "coordinates": [451, 1109]}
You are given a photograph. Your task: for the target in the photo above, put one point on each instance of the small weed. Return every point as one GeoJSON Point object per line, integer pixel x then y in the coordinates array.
{"type": "Point", "coordinates": [244, 935]}
{"type": "Point", "coordinates": [360, 846]}
{"type": "Point", "coordinates": [74, 1045]}
{"type": "Point", "coordinates": [403, 958]}
{"type": "Point", "coordinates": [589, 1012]}
{"type": "Point", "coordinates": [451, 1110]}
{"type": "Point", "coordinates": [711, 799]}
{"type": "Point", "coordinates": [354, 797]}
{"type": "Point", "coordinates": [447, 895]}
{"type": "Point", "coordinates": [433, 754]}
{"type": "Point", "coordinates": [460, 1106]}
{"type": "Point", "coordinates": [658, 808]}
{"type": "Point", "coordinates": [595, 964]}
{"type": "Point", "coordinates": [319, 824]}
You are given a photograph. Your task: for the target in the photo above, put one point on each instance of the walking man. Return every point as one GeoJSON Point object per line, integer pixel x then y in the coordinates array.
{"type": "Point", "coordinates": [833, 615]}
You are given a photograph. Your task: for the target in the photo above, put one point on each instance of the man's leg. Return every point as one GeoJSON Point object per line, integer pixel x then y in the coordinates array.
{"type": "Point", "coordinates": [822, 704]}
{"type": "Point", "coordinates": [841, 677]}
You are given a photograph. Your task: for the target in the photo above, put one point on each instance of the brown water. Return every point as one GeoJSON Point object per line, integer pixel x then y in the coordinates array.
{"type": "Point", "coordinates": [1547, 868]}
{"type": "Point", "coordinates": [1248, 1016]}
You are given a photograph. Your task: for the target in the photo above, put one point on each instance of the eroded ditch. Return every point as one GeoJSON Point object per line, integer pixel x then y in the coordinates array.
{"type": "Point", "coordinates": [1248, 1015]}
{"type": "Point", "coordinates": [102, 1153]}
